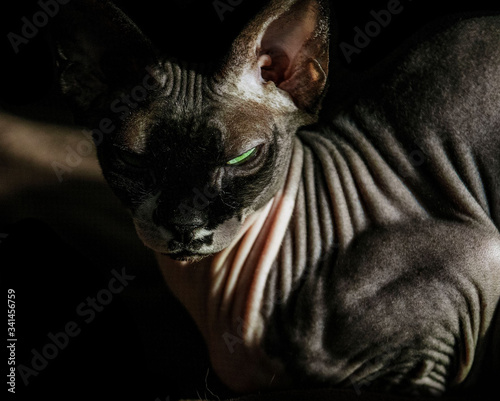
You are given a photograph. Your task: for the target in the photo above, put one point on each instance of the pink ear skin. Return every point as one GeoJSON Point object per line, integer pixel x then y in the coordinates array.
{"type": "Point", "coordinates": [305, 84]}
{"type": "Point", "coordinates": [287, 44]}
{"type": "Point", "coordinates": [268, 71]}
{"type": "Point", "coordinates": [293, 53]}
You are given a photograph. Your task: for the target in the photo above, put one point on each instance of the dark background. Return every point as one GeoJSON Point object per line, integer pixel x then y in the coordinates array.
{"type": "Point", "coordinates": [192, 29]}
{"type": "Point", "coordinates": [151, 351]}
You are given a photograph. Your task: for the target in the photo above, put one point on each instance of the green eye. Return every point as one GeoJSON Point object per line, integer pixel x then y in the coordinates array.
{"type": "Point", "coordinates": [243, 157]}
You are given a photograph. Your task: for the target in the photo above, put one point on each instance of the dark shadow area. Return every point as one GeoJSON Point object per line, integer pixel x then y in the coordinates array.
{"type": "Point", "coordinates": [90, 331]}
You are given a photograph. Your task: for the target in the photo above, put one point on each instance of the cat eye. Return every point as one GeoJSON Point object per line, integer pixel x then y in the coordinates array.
{"type": "Point", "coordinates": [243, 158]}
{"type": "Point", "coordinates": [130, 159]}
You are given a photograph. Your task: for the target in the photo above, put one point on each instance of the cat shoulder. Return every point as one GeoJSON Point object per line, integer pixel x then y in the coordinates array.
{"type": "Point", "coordinates": [449, 82]}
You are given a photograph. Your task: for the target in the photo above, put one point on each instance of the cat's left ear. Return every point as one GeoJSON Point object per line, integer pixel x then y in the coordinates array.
{"type": "Point", "coordinates": [100, 51]}
{"type": "Point", "coordinates": [286, 43]}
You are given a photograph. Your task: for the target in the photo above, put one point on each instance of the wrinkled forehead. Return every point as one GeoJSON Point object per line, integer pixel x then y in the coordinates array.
{"type": "Point", "coordinates": [228, 121]}
{"type": "Point", "coordinates": [241, 122]}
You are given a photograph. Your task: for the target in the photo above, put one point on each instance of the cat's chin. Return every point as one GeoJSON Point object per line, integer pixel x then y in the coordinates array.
{"type": "Point", "coordinates": [181, 257]}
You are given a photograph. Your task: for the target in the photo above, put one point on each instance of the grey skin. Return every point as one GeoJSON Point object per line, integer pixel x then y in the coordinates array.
{"type": "Point", "coordinates": [388, 276]}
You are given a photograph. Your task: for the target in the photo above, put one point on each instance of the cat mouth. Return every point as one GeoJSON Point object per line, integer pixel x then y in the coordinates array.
{"type": "Point", "coordinates": [188, 245]}
{"type": "Point", "coordinates": [191, 249]}
{"type": "Point", "coordinates": [191, 243]}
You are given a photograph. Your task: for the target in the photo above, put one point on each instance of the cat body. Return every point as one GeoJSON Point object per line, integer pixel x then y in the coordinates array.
{"type": "Point", "coordinates": [363, 250]}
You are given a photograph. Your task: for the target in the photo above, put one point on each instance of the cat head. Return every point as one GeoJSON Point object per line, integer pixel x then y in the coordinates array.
{"type": "Point", "coordinates": [193, 149]}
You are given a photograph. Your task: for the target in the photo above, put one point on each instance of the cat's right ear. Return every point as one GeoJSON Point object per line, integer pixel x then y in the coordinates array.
{"type": "Point", "coordinates": [287, 44]}
{"type": "Point", "coordinates": [99, 51]}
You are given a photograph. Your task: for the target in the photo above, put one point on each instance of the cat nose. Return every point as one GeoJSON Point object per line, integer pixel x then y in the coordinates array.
{"type": "Point", "coordinates": [180, 221]}
{"type": "Point", "coordinates": [188, 221]}
{"type": "Point", "coordinates": [185, 230]}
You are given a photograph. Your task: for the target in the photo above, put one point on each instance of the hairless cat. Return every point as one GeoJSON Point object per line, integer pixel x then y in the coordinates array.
{"type": "Point", "coordinates": [361, 247]}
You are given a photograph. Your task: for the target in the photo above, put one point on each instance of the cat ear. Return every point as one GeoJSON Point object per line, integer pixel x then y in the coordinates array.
{"type": "Point", "coordinates": [286, 43]}
{"type": "Point", "coordinates": [99, 51]}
